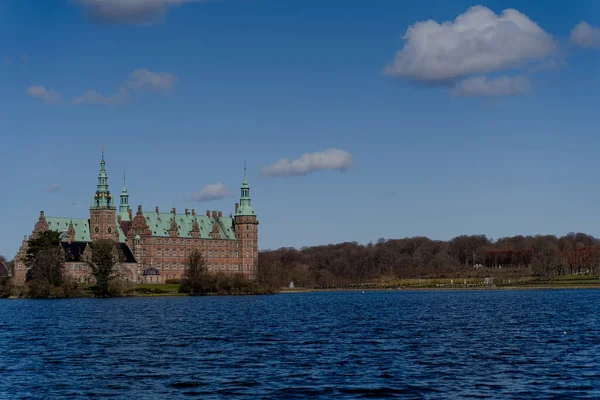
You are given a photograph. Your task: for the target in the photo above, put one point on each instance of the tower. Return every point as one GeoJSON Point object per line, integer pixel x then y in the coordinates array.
{"type": "Point", "coordinates": [246, 231]}
{"type": "Point", "coordinates": [124, 206]}
{"type": "Point", "coordinates": [103, 222]}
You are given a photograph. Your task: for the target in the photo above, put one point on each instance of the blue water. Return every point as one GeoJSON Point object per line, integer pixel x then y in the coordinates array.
{"type": "Point", "coordinates": [419, 345]}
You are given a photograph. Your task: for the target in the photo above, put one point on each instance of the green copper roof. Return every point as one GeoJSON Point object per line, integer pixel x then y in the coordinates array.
{"type": "Point", "coordinates": [160, 224]}
{"type": "Point", "coordinates": [82, 228]}
{"type": "Point", "coordinates": [124, 206]}
{"type": "Point", "coordinates": [60, 224]}
{"type": "Point", "coordinates": [245, 207]}
{"type": "Point", "coordinates": [102, 197]}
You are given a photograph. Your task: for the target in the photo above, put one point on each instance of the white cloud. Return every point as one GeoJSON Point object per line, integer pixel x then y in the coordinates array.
{"type": "Point", "coordinates": [142, 78]}
{"type": "Point", "coordinates": [585, 35]}
{"type": "Point", "coordinates": [331, 159]}
{"type": "Point", "coordinates": [129, 11]}
{"type": "Point", "coordinates": [40, 92]}
{"type": "Point", "coordinates": [477, 42]}
{"type": "Point", "coordinates": [138, 80]}
{"type": "Point", "coordinates": [92, 97]}
{"type": "Point", "coordinates": [23, 58]}
{"type": "Point", "coordinates": [483, 86]}
{"type": "Point", "coordinates": [215, 191]}
{"type": "Point", "coordinates": [53, 188]}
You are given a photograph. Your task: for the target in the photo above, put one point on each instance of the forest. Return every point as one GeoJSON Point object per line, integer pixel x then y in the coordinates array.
{"type": "Point", "coordinates": [543, 256]}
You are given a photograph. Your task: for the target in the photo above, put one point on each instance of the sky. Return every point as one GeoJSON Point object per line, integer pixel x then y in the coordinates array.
{"type": "Point", "coordinates": [357, 119]}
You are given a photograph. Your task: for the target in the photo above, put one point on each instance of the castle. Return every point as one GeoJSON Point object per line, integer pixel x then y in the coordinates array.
{"type": "Point", "coordinates": [155, 245]}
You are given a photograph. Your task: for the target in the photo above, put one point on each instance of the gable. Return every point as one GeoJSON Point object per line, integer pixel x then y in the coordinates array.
{"type": "Point", "coordinates": [160, 224]}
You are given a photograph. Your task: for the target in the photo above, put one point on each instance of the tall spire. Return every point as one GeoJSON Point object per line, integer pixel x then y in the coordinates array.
{"type": "Point", "coordinates": [124, 206]}
{"type": "Point", "coordinates": [245, 207]}
{"type": "Point", "coordinates": [102, 198]}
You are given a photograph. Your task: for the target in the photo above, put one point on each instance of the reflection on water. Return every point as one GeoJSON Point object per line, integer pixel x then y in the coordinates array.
{"type": "Point", "coordinates": [489, 344]}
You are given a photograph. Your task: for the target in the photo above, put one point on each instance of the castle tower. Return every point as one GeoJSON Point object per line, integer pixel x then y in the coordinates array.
{"type": "Point", "coordinates": [124, 206]}
{"type": "Point", "coordinates": [246, 231]}
{"type": "Point", "coordinates": [103, 222]}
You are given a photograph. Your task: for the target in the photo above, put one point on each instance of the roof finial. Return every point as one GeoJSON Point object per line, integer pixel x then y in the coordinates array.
{"type": "Point", "coordinates": [244, 171]}
{"type": "Point", "coordinates": [102, 153]}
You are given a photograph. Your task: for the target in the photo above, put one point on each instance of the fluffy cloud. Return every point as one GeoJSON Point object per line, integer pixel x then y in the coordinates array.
{"type": "Point", "coordinates": [215, 191]}
{"type": "Point", "coordinates": [53, 188]}
{"type": "Point", "coordinates": [585, 35]}
{"type": "Point", "coordinates": [483, 86]}
{"type": "Point", "coordinates": [144, 79]}
{"type": "Point", "coordinates": [23, 58]}
{"type": "Point", "coordinates": [40, 92]}
{"type": "Point", "coordinates": [331, 159]}
{"type": "Point", "coordinates": [477, 42]}
{"type": "Point", "coordinates": [139, 80]}
{"type": "Point", "coordinates": [129, 11]}
{"type": "Point", "coordinates": [92, 97]}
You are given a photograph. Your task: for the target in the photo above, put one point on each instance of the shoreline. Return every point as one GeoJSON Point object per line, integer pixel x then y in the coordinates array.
{"type": "Point", "coordinates": [418, 289]}
{"type": "Point", "coordinates": [341, 290]}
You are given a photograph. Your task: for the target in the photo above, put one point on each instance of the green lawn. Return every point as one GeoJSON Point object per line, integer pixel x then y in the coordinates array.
{"type": "Point", "coordinates": [165, 287]}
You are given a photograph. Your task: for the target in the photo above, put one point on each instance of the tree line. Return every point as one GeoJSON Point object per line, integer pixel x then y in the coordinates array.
{"type": "Point", "coordinates": [543, 256]}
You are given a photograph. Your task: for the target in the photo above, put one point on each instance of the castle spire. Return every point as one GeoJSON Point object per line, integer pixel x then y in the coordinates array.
{"type": "Point", "coordinates": [102, 198]}
{"type": "Point", "coordinates": [124, 206]}
{"type": "Point", "coordinates": [245, 207]}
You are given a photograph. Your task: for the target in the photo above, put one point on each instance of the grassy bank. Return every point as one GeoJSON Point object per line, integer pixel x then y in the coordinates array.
{"type": "Point", "coordinates": [458, 283]}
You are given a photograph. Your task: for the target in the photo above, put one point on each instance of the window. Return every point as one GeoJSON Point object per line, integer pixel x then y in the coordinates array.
{"type": "Point", "coordinates": [96, 218]}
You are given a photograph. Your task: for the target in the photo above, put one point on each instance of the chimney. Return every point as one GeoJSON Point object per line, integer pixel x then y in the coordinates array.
{"type": "Point", "coordinates": [119, 219]}
{"type": "Point", "coordinates": [208, 213]}
{"type": "Point", "coordinates": [174, 211]}
{"type": "Point", "coordinates": [130, 214]}
{"type": "Point", "coordinates": [236, 206]}
{"type": "Point", "coordinates": [193, 212]}
{"type": "Point", "coordinates": [220, 214]}
{"type": "Point", "coordinates": [41, 214]}
{"type": "Point", "coordinates": [187, 212]}
{"type": "Point", "coordinates": [157, 209]}
{"type": "Point", "coordinates": [214, 213]}
{"type": "Point", "coordinates": [139, 209]}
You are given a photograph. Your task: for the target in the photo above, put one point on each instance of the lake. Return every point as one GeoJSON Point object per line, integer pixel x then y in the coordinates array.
{"type": "Point", "coordinates": [423, 345]}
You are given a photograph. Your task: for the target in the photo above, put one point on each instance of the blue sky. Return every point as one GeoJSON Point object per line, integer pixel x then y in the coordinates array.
{"type": "Point", "coordinates": [491, 131]}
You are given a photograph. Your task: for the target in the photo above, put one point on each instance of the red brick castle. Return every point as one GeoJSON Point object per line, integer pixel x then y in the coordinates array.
{"type": "Point", "coordinates": [155, 244]}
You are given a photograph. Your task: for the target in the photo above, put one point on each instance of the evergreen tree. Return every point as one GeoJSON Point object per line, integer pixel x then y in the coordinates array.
{"type": "Point", "coordinates": [105, 256]}
{"type": "Point", "coordinates": [45, 259]}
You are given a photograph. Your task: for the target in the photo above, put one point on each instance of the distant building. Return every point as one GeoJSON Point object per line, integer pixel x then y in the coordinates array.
{"type": "Point", "coordinates": [155, 244]}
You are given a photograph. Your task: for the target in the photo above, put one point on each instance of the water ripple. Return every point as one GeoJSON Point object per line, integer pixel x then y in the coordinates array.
{"type": "Point", "coordinates": [418, 345]}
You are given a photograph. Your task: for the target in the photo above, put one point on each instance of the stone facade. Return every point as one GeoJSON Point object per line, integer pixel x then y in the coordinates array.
{"type": "Point", "coordinates": [156, 244]}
